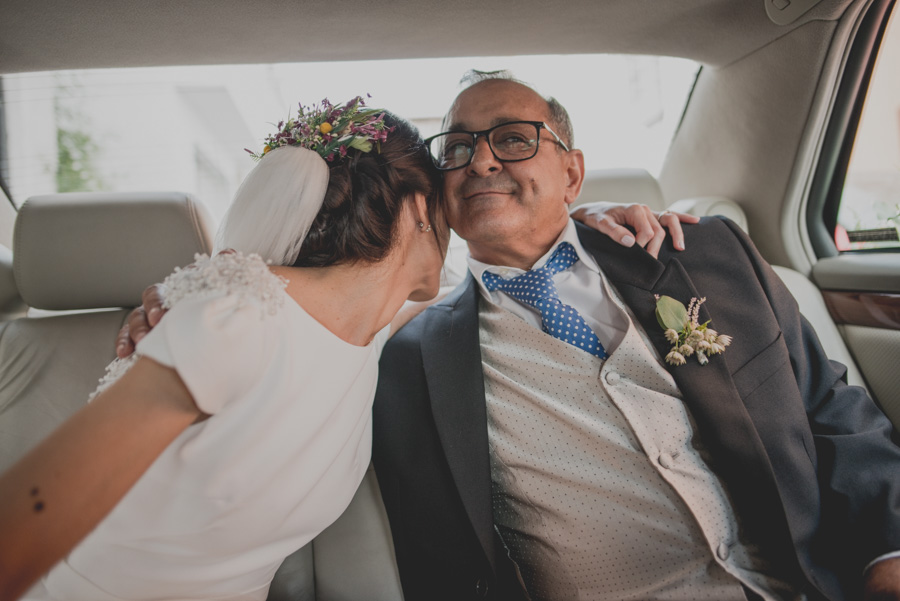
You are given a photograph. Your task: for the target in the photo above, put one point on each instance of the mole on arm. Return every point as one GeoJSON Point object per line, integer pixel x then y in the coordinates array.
{"type": "Point", "coordinates": [38, 504]}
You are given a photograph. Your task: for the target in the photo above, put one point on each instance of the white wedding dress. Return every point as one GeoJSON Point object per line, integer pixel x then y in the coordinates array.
{"type": "Point", "coordinates": [285, 447]}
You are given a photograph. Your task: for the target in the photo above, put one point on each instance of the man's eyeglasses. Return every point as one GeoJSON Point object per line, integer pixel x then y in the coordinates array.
{"type": "Point", "coordinates": [509, 142]}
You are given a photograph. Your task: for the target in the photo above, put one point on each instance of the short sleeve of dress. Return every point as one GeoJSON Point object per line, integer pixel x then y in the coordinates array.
{"type": "Point", "coordinates": [217, 347]}
{"type": "Point", "coordinates": [221, 329]}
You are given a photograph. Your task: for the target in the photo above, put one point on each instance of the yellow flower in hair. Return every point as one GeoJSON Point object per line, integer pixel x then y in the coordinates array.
{"type": "Point", "coordinates": [331, 130]}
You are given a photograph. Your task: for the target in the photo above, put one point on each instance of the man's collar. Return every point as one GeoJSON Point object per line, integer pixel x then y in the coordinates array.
{"type": "Point", "coordinates": [569, 234]}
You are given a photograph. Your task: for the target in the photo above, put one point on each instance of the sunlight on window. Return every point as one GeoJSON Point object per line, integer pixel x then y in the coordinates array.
{"type": "Point", "coordinates": [869, 216]}
{"type": "Point", "coordinates": [186, 128]}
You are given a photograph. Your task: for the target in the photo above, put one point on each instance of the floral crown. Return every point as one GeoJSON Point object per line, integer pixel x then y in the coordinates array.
{"type": "Point", "coordinates": [331, 130]}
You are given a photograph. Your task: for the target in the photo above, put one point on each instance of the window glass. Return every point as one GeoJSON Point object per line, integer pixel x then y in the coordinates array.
{"type": "Point", "coordinates": [186, 128]}
{"type": "Point", "coordinates": [869, 215]}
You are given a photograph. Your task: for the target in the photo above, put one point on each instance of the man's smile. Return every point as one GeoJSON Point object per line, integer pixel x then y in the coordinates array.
{"type": "Point", "coordinates": [473, 189]}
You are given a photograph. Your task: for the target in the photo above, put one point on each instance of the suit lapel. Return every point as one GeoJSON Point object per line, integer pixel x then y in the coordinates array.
{"type": "Point", "coordinates": [639, 277]}
{"type": "Point", "coordinates": [452, 359]}
{"type": "Point", "coordinates": [724, 425]}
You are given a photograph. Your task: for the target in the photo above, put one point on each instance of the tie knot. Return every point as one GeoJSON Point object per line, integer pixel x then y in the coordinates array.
{"type": "Point", "coordinates": [563, 258]}
{"type": "Point", "coordinates": [536, 284]}
{"type": "Point", "coordinates": [536, 288]}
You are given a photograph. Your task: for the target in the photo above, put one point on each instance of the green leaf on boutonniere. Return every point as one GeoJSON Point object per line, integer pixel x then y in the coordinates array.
{"type": "Point", "coordinates": [688, 337]}
{"type": "Point", "coordinates": [671, 314]}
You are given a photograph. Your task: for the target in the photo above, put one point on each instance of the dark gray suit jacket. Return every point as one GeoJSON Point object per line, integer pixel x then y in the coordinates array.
{"type": "Point", "coordinates": [809, 461]}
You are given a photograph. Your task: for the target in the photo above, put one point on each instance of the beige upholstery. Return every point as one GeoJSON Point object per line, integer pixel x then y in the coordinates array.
{"type": "Point", "coordinates": [11, 303]}
{"type": "Point", "coordinates": [621, 186]}
{"type": "Point", "coordinates": [82, 251]}
{"type": "Point", "coordinates": [48, 366]}
{"type": "Point", "coordinates": [352, 559]}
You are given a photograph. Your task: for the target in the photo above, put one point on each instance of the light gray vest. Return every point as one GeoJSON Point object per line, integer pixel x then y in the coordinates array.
{"type": "Point", "coordinates": [600, 490]}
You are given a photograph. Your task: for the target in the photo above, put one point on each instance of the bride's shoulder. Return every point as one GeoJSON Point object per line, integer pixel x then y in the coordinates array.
{"type": "Point", "coordinates": [245, 278]}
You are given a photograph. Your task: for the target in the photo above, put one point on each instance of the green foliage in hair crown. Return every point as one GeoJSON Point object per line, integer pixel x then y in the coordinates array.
{"type": "Point", "coordinates": [331, 130]}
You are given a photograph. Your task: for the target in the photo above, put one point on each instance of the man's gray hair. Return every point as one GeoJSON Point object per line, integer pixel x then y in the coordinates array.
{"type": "Point", "coordinates": [559, 116]}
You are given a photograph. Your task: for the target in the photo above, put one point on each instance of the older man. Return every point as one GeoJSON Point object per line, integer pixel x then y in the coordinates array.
{"type": "Point", "coordinates": [531, 443]}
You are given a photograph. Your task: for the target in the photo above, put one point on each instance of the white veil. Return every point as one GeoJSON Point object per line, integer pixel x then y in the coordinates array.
{"type": "Point", "coordinates": [275, 205]}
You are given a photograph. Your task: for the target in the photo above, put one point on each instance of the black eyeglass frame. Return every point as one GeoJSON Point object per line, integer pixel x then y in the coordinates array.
{"type": "Point", "coordinates": [539, 125]}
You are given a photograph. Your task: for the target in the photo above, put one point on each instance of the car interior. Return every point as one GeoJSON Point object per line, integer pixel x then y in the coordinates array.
{"type": "Point", "coordinates": [769, 135]}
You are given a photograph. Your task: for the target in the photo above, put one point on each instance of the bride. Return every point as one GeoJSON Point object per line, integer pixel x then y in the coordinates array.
{"type": "Point", "coordinates": [242, 425]}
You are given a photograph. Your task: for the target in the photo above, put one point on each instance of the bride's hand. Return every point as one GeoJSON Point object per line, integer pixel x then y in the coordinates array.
{"type": "Point", "coordinates": [141, 320]}
{"type": "Point", "coordinates": [609, 218]}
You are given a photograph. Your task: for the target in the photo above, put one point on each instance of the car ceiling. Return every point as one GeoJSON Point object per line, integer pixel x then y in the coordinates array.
{"type": "Point", "coordinates": [38, 35]}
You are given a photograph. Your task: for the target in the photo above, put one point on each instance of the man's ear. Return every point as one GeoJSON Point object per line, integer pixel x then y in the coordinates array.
{"type": "Point", "coordinates": [574, 174]}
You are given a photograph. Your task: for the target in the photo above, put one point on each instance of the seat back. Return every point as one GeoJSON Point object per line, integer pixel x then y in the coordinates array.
{"type": "Point", "coordinates": [11, 303]}
{"type": "Point", "coordinates": [622, 186]}
{"type": "Point", "coordinates": [351, 559]}
{"type": "Point", "coordinates": [90, 253]}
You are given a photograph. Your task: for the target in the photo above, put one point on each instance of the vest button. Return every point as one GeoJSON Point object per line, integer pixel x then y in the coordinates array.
{"type": "Point", "coordinates": [665, 460]}
{"type": "Point", "coordinates": [612, 378]}
{"type": "Point", "coordinates": [481, 588]}
{"type": "Point", "coordinates": [724, 551]}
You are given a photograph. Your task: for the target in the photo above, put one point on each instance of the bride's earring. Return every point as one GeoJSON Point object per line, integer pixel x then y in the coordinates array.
{"type": "Point", "coordinates": [423, 228]}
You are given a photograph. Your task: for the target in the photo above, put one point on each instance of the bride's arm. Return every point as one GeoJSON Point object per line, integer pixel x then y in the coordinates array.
{"type": "Point", "coordinates": [58, 493]}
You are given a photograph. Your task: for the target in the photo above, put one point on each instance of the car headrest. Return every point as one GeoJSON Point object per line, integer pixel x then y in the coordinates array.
{"type": "Point", "coordinates": [622, 186]}
{"type": "Point", "coordinates": [98, 250]}
{"type": "Point", "coordinates": [11, 303]}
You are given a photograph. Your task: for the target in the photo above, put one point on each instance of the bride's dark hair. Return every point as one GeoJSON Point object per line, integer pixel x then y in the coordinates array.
{"type": "Point", "coordinates": [365, 198]}
{"type": "Point", "coordinates": [294, 208]}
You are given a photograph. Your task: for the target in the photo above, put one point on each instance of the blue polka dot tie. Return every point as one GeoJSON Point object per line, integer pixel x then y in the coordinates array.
{"type": "Point", "coordinates": [536, 289]}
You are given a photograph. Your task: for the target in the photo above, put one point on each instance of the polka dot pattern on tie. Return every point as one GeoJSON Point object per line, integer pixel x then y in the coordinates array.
{"type": "Point", "coordinates": [536, 288]}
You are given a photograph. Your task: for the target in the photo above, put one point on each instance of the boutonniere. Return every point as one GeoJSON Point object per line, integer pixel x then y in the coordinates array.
{"type": "Point", "coordinates": [687, 335]}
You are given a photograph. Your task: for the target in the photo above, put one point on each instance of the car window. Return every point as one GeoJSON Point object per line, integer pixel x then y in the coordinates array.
{"type": "Point", "coordinates": [185, 128]}
{"type": "Point", "coordinates": [869, 214]}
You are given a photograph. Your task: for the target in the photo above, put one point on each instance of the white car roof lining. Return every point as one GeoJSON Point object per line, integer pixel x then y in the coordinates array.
{"type": "Point", "coordinates": [38, 35]}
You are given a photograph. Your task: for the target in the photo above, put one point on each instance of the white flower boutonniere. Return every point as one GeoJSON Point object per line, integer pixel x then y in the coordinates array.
{"type": "Point", "coordinates": [687, 335]}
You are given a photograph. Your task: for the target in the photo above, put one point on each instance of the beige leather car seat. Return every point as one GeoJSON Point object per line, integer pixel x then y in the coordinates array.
{"type": "Point", "coordinates": [11, 304]}
{"type": "Point", "coordinates": [621, 186]}
{"type": "Point", "coordinates": [90, 253]}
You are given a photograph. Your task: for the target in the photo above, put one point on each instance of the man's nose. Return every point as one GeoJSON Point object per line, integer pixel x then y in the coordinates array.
{"type": "Point", "coordinates": [483, 160]}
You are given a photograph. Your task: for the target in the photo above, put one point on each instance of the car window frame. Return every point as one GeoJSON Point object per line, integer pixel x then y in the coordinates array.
{"type": "Point", "coordinates": [840, 133]}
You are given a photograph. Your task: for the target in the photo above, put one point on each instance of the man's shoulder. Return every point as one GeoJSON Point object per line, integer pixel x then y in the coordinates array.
{"type": "Point", "coordinates": [412, 332]}
{"type": "Point", "coordinates": [713, 230]}
{"type": "Point", "coordinates": [712, 235]}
